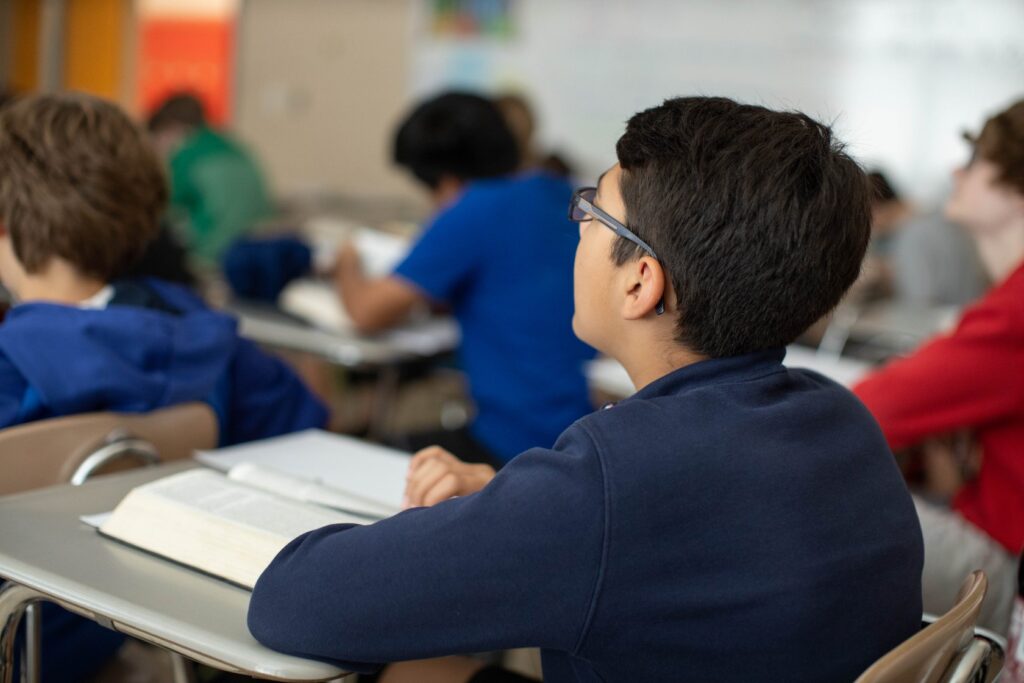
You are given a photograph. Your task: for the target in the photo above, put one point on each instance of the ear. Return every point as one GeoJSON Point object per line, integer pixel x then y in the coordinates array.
{"type": "Point", "coordinates": [645, 286]}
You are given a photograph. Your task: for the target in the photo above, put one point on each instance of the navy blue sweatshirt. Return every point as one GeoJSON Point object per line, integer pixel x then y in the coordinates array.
{"type": "Point", "coordinates": [732, 521]}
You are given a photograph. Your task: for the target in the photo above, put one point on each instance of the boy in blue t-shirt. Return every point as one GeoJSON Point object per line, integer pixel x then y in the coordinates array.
{"type": "Point", "coordinates": [499, 254]}
{"type": "Point", "coordinates": [733, 520]}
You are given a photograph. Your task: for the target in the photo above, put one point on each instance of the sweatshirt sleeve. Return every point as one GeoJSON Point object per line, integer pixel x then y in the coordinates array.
{"type": "Point", "coordinates": [267, 398]}
{"type": "Point", "coordinates": [12, 393]}
{"type": "Point", "coordinates": [514, 565]}
{"type": "Point", "coordinates": [965, 379]}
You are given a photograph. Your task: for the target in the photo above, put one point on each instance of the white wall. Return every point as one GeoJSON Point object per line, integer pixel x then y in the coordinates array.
{"type": "Point", "coordinates": [899, 78]}
{"type": "Point", "coordinates": [319, 85]}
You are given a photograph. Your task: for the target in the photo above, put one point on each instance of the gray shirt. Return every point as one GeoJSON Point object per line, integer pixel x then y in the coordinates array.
{"type": "Point", "coordinates": [935, 263]}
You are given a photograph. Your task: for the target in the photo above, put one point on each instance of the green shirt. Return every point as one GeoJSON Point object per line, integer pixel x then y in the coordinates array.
{"type": "Point", "coordinates": [217, 190]}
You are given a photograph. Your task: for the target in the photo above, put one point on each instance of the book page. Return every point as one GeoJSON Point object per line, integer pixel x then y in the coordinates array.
{"type": "Point", "coordinates": [215, 494]}
{"type": "Point", "coordinates": [203, 520]}
{"type": "Point", "coordinates": [379, 251]}
{"type": "Point", "coordinates": [317, 303]}
{"type": "Point", "coordinates": [307, 491]}
{"type": "Point", "coordinates": [349, 465]}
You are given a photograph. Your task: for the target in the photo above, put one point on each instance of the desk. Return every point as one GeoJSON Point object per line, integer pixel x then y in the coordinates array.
{"type": "Point", "coordinates": [268, 325]}
{"type": "Point", "coordinates": [383, 354]}
{"type": "Point", "coordinates": [607, 375]}
{"type": "Point", "coordinates": [884, 329]}
{"type": "Point", "coordinates": [46, 550]}
{"type": "Point", "coordinates": [902, 326]}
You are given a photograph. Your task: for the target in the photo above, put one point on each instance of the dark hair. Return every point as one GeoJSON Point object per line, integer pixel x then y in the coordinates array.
{"type": "Point", "coordinates": [455, 134]}
{"type": "Point", "coordinates": [1002, 142]}
{"type": "Point", "coordinates": [759, 218]}
{"type": "Point", "coordinates": [180, 109]}
{"type": "Point", "coordinates": [79, 181]}
{"type": "Point", "coordinates": [882, 190]}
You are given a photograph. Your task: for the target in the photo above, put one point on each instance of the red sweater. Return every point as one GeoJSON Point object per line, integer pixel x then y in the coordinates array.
{"type": "Point", "coordinates": [972, 378]}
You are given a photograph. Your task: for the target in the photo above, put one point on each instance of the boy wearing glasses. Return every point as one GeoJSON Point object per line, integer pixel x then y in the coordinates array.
{"type": "Point", "coordinates": [733, 520]}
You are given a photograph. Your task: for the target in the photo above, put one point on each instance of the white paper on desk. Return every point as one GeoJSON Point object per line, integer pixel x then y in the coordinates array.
{"type": "Point", "coordinates": [380, 251]}
{"type": "Point", "coordinates": [95, 521]}
{"type": "Point", "coordinates": [372, 472]}
{"type": "Point", "coordinates": [317, 303]}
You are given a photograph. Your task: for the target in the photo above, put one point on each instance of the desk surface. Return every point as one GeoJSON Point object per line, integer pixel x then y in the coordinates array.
{"type": "Point", "coordinates": [266, 324]}
{"type": "Point", "coordinates": [44, 546]}
{"type": "Point", "coordinates": [901, 326]}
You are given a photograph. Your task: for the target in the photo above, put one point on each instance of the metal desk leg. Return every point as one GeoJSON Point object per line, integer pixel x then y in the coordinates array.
{"type": "Point", "coordinates": [14, 599]}
{"type": "Point", "coordinates": [385, 393]}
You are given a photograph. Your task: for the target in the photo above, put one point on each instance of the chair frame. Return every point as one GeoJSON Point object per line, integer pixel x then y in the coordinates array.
{"type": "Point", "coordinates": [948, 649]}
{"type": "Point", "coordinates": [119, 444]}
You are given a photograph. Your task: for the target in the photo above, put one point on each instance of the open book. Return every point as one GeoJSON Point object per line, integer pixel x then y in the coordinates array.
{"type": "Point", "coordinates": [204, 520]}
{"type": "Point", "coordinates": [319, 467]}
{"type": "Point", "coordinates": [232, 522]}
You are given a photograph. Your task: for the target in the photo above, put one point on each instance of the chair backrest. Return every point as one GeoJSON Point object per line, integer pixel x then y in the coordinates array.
{"type": "Point", "coordinates": [49, 452]}
{"type": "Point", "coordinates": [929, 656]}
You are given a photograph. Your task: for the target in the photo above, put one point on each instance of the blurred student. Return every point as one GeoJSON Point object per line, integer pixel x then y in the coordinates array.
{"type": "Point", "coordinates": [519, 118]}
{"type": "Point", "coordinates": [922, 259]}
{"type": "Point", "coordinates": [734, 520]}
{"type": "Point", "coordinates": [973, 379]}
{"type": "Point", "coordinates": [936, 263]}
{"type": "Point", "coordinates": [498, 252]}
{"type": "Point", "coordinates": [218, 192]}
{"type": "Point", "coordinates": [81, 192]}
{"type": "Point", "coordinates": [888, 211]}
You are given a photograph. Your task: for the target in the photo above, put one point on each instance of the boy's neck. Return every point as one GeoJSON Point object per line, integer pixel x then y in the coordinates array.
{"type": "Point", "coordinates": [1002, 252]}
{"type": "Point", "coordinates": [59, 283]}
{"type": "Point", "coordinates": [646, 363]}
{"type": "Point", "coordinates": [446, 192]}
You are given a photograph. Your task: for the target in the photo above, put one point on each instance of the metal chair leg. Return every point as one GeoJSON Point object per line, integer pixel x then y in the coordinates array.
{"type": "Point", "coordinates": [14, 600]}
{"type": "Point", "coordinates": [31, 663]}
{"type": "Point", "coordinates": [182, 669]}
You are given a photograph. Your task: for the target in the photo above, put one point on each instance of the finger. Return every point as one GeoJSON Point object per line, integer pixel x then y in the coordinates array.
{"type": "Point", "coordinates": [446, 487]}
{"type": "Point", "coordinates": [425, 478]}
{"type": "Point", "coordinates": [422, 457]}
{"type": "Point", "coordinates": [425, 454]}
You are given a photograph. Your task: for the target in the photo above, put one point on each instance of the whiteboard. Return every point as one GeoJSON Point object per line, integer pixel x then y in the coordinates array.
{"type": "Point", "coordinates": [899, 79]}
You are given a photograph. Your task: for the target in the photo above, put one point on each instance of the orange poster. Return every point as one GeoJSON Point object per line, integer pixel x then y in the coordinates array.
{"type": "Point", "coordinates": [179, 51]}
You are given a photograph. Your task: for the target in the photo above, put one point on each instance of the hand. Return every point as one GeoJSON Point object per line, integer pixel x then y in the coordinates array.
{"type": "Point", "coordinates": [436, 475]}
{"type": "Point", "coordinates": [949, 462]}
{"type": "Point", "coordinates": [347, 260]}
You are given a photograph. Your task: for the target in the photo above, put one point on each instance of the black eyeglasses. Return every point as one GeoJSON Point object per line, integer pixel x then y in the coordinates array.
{"type": "Point", "coordinates": [582, 208]}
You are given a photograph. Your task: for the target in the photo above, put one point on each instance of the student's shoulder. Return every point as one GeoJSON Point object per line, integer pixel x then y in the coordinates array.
{"type": "Point", "coordinates": [999, 315]}
{"type": "Point", "coordinates": [615, 424]}
{"type": "Point", "coordinates": [519, 190]}
{"type": "Point", "coordinates": [1010, 297]}
{"type": "Point", "coordinates": [160, 294]}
